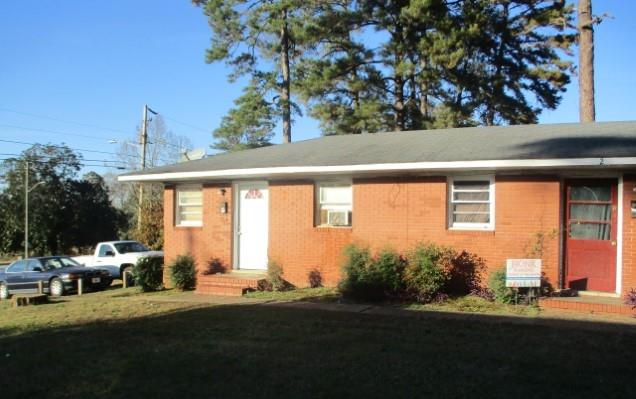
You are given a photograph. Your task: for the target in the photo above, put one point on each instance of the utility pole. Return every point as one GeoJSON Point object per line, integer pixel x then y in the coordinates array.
{"type": "Point", "coordinates": [143, 140]}
{"type": "Point", "coordinates": [26, 210]}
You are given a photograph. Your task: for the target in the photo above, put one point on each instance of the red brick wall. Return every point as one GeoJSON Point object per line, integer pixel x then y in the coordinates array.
{"type": "Point", "coordinates": [415, 209]}
{"type": "Point", "coordinates": [400, 212]}
{"type": "Point", "coordinates": [394, 212]}
{"type": "Point", "coordinates": [295, 243]}
{"type": "Point", "coordinates": [212, 240]}
{"type": "Point", "coordinates": [629, 235]}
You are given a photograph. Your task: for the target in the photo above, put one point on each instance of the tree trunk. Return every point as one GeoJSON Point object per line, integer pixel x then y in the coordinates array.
{"type": "Point", "coordinates": [424, 95]}
{"type": "Point", "coordinates": [286, 90]}
{"type": "Point", "coordinates": [399, 104]}
{"type": "Point", "coordinates": [586, 62]}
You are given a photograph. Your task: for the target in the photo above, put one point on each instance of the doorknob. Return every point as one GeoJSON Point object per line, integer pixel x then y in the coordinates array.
{"type": "Point", "coordinates": [614, 243]}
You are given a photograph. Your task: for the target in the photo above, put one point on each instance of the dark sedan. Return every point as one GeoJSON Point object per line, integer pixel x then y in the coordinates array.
{"type": "Point", "coordinates": [58, 274]}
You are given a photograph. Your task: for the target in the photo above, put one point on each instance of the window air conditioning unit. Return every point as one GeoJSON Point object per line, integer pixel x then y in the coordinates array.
{"type": "Point", "coordinates": [338, 218]}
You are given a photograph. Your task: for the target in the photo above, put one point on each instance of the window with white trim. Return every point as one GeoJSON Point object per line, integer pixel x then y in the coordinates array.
{"type": "Point", "coordinates": [471, 202]}
{"type": "Point", "coordinates": [189, 206]}
{"type": "Point", "coordinates": [333, 204]}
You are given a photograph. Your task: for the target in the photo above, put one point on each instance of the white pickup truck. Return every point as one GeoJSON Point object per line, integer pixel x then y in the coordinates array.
{"type": "Point", "coordinates": [116, 256]}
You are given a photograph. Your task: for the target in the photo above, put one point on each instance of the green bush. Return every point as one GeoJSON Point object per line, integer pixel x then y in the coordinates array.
{"type": "Point", "coordinates": [353, 269]}
{"type": "Point", "coordinates": [183, 273]}
{"type": "Point", "coordinates": [497, 285]}
{"type": "Point", "coordinates": [427, 272]}
{"type": "Point", "coordinates": [370, 278]}
{"type": "Point", "coordinates": [275, 276]}
{"type": "Point", "coordinates": [386, 271]}
{"type": "Point", "coordinates": [148, 273]}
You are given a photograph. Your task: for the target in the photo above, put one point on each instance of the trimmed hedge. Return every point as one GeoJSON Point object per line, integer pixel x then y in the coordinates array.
{"type": "Point", "coordinates": [183, 272]}
{"type": "Point", "coordinates": [148, 273]}
{"type": "Point", "coordinates": [370, 278]}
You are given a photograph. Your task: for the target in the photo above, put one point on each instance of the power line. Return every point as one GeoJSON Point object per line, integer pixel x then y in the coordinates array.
{"type": "Point", "coordinates": [167, 161]}
{"type": "Point", "coordinates": [61, 120]}
{"type": "Point", "coordinates": [184, 123]}
{"type": "Point", "coordinates": [66, 163]}
{"type": "Point", "coordinates": [63, 146]}
{"type": "Point", "coordinates": [51, 156]}
{"type": "Point", "coordinates": [55, 132]}
{"type": "Point", "coordinates": [120, 131]}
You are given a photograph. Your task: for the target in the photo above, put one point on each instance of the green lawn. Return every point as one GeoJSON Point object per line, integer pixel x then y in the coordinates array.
{"type": "Point", "coordinates": [117, 344]}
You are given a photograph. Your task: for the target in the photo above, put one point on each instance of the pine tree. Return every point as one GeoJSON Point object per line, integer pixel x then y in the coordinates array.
{"type": "Point", "coordinates": [391, 64]}
{"type": "Point", "coordinates": [260, 39]}
{"type": "Point", "coordinates": [249, 125]}
{"type": "Point", "coordinates": [342, 87]}
{"type": "Point", "coordinates": [514, 66]}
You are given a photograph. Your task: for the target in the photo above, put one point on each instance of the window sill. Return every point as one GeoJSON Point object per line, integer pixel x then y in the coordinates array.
{"type": "Point", "coordinates": [188, 226]}
{"type": "Point", "coordinates": [325, 226]}
{"type": "Point", "coordinates": [469, 231]}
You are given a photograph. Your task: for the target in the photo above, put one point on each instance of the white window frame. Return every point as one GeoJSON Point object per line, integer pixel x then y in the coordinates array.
{"type": "Point", "coordinates": [177, 205]}
{"type": "Point", "coordinates": [346, 207]}
{"type": "Point", "coordinates": [490, 226]}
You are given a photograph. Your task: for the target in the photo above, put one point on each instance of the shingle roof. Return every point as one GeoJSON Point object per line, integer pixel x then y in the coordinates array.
{"type": "Point", "coordinates": [521, 142]}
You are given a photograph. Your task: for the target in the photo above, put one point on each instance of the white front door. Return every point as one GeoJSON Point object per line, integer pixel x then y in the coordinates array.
{"type": "Point", "coordinates": [252, 225]}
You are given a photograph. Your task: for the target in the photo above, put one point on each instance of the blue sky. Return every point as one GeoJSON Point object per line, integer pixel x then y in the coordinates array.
{"type": "Point", "coordinates": [97, 63]}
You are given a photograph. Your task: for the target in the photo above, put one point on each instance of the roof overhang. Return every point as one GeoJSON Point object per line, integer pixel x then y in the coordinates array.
{"type": "Point", "coordinates": [290, 172]}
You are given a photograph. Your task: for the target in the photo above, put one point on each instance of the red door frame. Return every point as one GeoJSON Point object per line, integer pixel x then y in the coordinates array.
{"type": "Point", "coordinates": [610, 246]}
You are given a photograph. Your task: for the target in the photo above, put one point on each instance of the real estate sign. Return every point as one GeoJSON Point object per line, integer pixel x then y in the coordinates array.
{"type": "Point", "coordinates": [523, 273]}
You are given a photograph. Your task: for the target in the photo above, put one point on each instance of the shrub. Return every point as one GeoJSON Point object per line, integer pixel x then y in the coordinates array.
{"type": "Point", "coordinates": [275, 276]}
{"type": "Point", "coordinates": [315, 278]}
{"type": "Point", "coordinates": [214, 266]}
{"type": "Point", "coordinates": [465, 273]}
{"type": "Point", "coordinates": [370, 278]}
{"type": "Point", "coordinates": [148, 273]}
{"type": "Point", "coordinates": [427, 271]}
{"type": "Point", "coordinates": [630, 298]}
{"type": "Point", "coordinates": [386, 271]}
{"type": "Point", "coordinates": [354, 270]}
{"type": "Point", "coordinates": [497, 284]}
{"type": "Point", "coordinates": [182, 272]}
{"type": "Point", "coordinates": [483, 293]}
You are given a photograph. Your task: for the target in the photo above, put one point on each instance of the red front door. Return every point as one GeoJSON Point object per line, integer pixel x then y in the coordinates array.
{"type": "Point", "coordinates": [590, 246]}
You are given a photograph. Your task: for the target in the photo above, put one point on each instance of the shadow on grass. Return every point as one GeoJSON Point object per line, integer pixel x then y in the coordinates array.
{"type": "Point", "coordinates": [272, 351]}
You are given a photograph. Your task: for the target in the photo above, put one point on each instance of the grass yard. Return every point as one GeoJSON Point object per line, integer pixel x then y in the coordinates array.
{"type": "Point", "coordinates": [118, 344]}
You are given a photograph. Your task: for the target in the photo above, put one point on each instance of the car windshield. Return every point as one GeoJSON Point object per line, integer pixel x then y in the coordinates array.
{"type": "Point", "coordinates": [126, 247]}
{"type": "Point", "coordinates": [58, 263]}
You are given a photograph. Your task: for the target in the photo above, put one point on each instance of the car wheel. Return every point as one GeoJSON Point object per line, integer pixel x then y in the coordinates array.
{"type": "Point", "coordinates": [104, 284]}
{"type": "Point", "coordinates": [4, 291]}
{"type": "Point", "coordinates": [56, 287]}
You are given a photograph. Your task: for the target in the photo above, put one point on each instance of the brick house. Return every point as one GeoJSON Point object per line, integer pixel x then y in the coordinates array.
{"type": "Point", "coordinates": [563, 192]}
